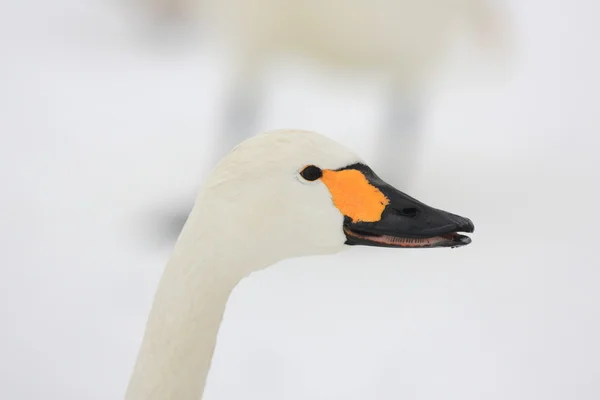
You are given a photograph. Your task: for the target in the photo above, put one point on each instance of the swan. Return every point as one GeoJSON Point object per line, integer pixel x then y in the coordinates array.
{"type": "Point", "coordinates": [277, 195]}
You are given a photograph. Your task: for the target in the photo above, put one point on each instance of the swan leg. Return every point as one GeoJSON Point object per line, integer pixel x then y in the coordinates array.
{"type": "Point", "coordinates": [240, 116]}
{"type": "Point", "coordinates": [399, 143]}
{"type": "Point", "coordinates": [171, 11]}
{"type": "Point", "coordinates": [240, 119]}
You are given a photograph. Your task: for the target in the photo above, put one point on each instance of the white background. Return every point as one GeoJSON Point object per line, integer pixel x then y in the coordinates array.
{"type": "Point", "coordinates": [102, 132]}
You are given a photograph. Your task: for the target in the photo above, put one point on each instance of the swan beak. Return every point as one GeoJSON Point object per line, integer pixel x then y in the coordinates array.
{"type": "Point", "coordinates": [394, 219]}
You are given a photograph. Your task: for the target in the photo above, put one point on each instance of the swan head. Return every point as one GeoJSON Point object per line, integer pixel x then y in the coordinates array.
{"type": "Point", "coordinates": [292, 193]}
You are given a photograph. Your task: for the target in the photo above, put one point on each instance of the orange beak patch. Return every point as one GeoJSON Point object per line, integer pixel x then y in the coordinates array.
{"type": "Point", "coordinates": [354, 196]}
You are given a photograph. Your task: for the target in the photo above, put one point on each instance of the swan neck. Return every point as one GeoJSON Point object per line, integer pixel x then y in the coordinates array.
{"type": "Point", "coordinates": [182, 328]}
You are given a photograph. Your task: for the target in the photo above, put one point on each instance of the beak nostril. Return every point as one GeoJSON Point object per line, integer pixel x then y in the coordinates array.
{"type": "Point", "coordinates": [410, 212]}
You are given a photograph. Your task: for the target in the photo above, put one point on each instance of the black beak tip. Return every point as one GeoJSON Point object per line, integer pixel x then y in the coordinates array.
{"type": "Point", "coordinates": [459, 241]}
{"type": "Point", "coordinates": [468, 226]}
{"type": "Point", "coordinates": [465, 240]}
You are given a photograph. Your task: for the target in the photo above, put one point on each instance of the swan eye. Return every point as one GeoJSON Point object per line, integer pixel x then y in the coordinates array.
{"type": "Point", "coordinates": [311, 173]}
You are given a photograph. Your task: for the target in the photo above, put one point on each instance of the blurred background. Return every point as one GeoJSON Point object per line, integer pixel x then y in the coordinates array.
{"type": "Point", "coordinates": [112, 113]}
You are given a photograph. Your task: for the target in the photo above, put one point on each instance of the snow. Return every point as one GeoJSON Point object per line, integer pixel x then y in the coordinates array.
{"type": "Point", "coordinates": [103, 131]}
